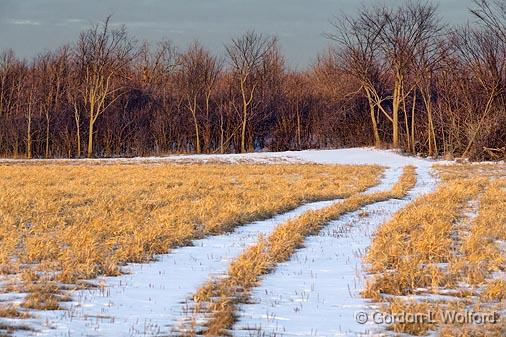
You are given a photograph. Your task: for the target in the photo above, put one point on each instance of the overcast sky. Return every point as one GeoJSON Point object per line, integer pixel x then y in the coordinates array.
{"type": "Point", "coordinates": [32, 26]}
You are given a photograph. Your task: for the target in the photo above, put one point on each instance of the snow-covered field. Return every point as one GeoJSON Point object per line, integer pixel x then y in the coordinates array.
{"type": "Point", "coordinates": [313, 294]}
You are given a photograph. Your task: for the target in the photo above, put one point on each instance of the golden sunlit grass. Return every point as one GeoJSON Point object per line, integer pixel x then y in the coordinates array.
{"type": "Point", "coordinates": [495, 290]}
{"type": "Point", "coordinates": [10, 311]}
{"type": "Point", "coordinates": [448, 242]}
{"type": "Point", "coordinates": [422, 324]}
{"type": "Point", "coordinates": [480, 253]}
{"type": "Point", "coordinates": [218, 298]}
{"type": "Point", "coordinates": [407, 251]}
{"type": "Point", "coordinates": [64, 223]}
{"type": "Point", "coordinates": [466, 171]}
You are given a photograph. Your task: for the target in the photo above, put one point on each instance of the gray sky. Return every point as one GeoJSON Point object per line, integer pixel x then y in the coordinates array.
{"type": "Point", "coordinates": [32, 26]}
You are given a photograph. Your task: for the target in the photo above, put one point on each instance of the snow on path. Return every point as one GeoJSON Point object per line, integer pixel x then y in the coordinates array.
{"type": "Point", "coordinates": [148, 300]}
{"type": "Point", "coordinates": [316, 292]}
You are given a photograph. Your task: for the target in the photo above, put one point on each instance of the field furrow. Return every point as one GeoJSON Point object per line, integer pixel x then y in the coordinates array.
{"type": "Point", "coordinates": [170, 246]}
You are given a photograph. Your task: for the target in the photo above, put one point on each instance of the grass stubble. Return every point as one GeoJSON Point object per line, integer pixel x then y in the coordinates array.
{"type": "Point", "coordinates": [445, 252]}
{"type": "Point", "coordinates": [217, 300]}
{"type": "Point", "coordinates": [62, 224]}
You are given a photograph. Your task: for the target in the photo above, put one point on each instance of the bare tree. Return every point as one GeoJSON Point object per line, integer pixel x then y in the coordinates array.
{"type": "Point", "coordinates": [29, 115]}
{"type": "Point", "coordinates": [157, 65]}
{"type": "Point", "coordinates": [198, 74]}
{"type": "Point", "coordinates": [383, 38]}
{"type": "Point", "coordinates": [51, 70]}
{"type": "Point", "coordinates": [246, 55]}
{"type": "Point", "coordinates": [102, 53]}
{"type": "Point", "coordinates": [491, 14]}
{"type": "Point", "coordinates": [14, 76]}
{"type": "Point", "coordinates": [74, 100]}
{"type": "Point", "coordinates": [6, 60]}
{"type": "Point", "coordinates": [393, 75]}
{"type": "Point", "coordinates": [484, 55]}
{"type": "Point", "coordinates": [405, 31]}
{"type": "Point", "coordinates": [357, 44]}
{"type": "Point", "coordinates": [428, 61]}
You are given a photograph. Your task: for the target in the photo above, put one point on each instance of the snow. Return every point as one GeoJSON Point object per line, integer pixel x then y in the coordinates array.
{"type": "Point", "coordinates": [351, 156]}
{"type": "Point", "coordinates": [363, 156]}
{"type": "Point", "coordinates": [318, 280]}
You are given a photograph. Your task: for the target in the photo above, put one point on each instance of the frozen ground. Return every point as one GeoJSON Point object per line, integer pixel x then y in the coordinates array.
{"type": "Point", "coordinates": [150, 299]}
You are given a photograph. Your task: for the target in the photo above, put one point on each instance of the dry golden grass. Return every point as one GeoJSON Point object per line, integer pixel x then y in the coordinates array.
{"type": "Point", "coordinates": [218, 298]}
{"type": "Point", "coordinates": [496, 329]}
{"type": "Point", "coordinates": [429, 316]}
{"type": "Point", "coordinates": [436, 245]}
{"type": "Point", "coordinates": [63, 223]}
{"type": "Point", "coordinates": [494, 291]}
{"type": "Point", "coordinates": [407, 250]}
{"type": "Point", "coordinates": [10, 311]}
{"type": "Point", "coordinates": [481, 254]}
{"type": "Point", "coordinates": [466, 171]}
{"type": "Point", "coordinates": [422, 324]}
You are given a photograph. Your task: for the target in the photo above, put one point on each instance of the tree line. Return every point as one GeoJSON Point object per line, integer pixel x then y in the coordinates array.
{"type": "Point", "coordinates": [393, 77]}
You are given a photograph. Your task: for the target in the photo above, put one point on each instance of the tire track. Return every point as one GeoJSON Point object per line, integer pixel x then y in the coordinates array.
{"type": "Point", "coordinates": [216, 301]}
{"type": "Point", "coordinates": [148, 300]}
{"type": "Point", "coordinates": [316, 292]}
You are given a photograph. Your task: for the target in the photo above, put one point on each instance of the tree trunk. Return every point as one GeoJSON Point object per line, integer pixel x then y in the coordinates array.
{"type": "Point", "coordinates": [29, 127]}
{"type": "Point", "coordinates": [222, 136]}
{"type": "Point", "coordinates": [244, 118]}
{"type": "Point", "coordinates": [406, 122]}
{"type": "Point", "coordinates": [193, 110]}
{"type": "Point", "coordinates": [413, 107]}
{"type": "Point", "coordinates": [377, 140]}
{"type": "Point", "coordinates": [77, 120]}
{"type": "Point", "coordinates": [29, 135]}
{"type": "Point", "coordinates": [78, 142]}
{"type": "Point", "coordinates": [90, 139]}
{"type": "Point", "coordinates": [47, 136]}
{"type": "Point", "coordinates": [243, 131]}
{"type": "Point", "coordinates": [197, 135]}
{"type": "Point", "coordinates": [395, 112]}
{"type": "Point", "coordinates": [298, 128]}
{"type": "Point", "coordinates": [433, 150]}
{"type": "Point", "coordinates": [207, 128]}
